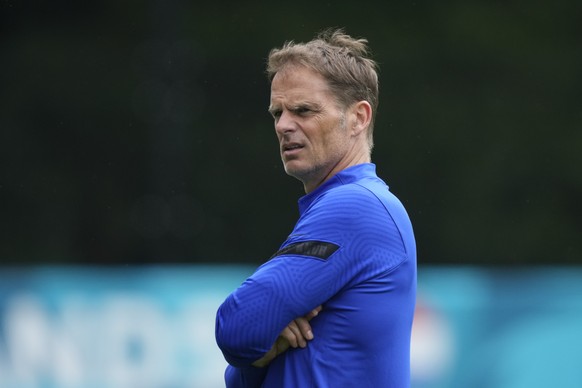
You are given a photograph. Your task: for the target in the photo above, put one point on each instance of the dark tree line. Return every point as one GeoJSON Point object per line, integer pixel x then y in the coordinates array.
{"type": "Point", "coordinates": [136, 132]}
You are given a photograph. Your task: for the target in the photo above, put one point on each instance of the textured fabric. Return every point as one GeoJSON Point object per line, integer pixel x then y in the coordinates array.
{"type": "Point", "coordinates": [367, 287]}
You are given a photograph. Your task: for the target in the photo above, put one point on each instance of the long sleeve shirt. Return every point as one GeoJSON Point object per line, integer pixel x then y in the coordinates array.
{"type": "Point", "coordinates": [353, 252]}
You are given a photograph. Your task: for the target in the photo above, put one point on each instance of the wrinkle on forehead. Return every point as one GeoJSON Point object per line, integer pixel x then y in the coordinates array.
{"type": "Point", "coordinates": [298, 82]}
{"type": "Point", "coordinates": [291, 70]}
{"type": "Point", "coordinates": [296, 88]}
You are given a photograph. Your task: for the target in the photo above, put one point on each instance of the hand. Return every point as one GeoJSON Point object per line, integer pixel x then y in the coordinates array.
{"type": "Point", "coordinates": [296, 334]}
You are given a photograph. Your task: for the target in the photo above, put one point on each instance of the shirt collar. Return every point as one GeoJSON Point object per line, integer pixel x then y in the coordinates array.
{"type": "Point", "coordinates": [344, 177]}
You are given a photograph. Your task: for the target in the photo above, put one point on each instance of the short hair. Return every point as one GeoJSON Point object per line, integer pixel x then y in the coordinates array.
{"type": "Point", "coordinates": [343, 61]}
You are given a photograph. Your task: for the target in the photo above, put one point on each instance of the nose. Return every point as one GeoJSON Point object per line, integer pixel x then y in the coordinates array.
{"type": "Point", "coordinates": [285, 123]}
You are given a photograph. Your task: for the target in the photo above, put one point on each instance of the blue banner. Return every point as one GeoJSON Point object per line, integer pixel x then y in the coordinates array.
{"type": "Point", "coordinates": [153, 326]}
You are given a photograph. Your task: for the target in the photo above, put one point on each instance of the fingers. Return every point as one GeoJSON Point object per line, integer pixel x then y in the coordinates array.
{"type": "Point", "coordinates": [292, 333]}
{"type": "Point", "coordinates": [313, 313]}
{"type": "Point", "coordinates": [304, 328]}
{"type": "Point", "coordinates": [296, 334]}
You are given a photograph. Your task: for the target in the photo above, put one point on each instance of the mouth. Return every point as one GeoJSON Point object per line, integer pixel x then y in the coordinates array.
{"type": "Point", "coordinates": [290, 148]}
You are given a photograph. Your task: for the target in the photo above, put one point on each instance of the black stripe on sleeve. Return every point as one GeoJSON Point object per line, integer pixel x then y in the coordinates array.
{"type": "Point", "coordinates": [319, 249]}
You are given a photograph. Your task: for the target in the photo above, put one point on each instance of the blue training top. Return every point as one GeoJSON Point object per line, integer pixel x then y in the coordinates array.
{"type": "Point", "coordinates": [353, 252]}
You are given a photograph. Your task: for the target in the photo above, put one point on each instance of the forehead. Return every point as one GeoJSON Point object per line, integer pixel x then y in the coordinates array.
{"type": "Point", "coordinates": [298, 83]}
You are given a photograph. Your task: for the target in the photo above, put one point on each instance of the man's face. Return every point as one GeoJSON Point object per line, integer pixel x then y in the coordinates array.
{"type": "Point", "coordinates": [311, 128]}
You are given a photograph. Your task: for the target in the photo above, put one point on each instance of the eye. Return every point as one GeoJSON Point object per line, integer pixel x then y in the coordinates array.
{"type": "Point", "coordinates": [276, 113]}
{"type": "Point", "coordinates": [301, 110]}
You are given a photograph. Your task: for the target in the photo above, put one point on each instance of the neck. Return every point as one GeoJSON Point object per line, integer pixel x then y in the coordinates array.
{"type": "Point", "coordinates": [309, 186]}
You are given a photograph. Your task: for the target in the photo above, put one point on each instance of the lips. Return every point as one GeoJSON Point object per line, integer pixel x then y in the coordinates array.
{"type": "Point", "coordinates": [290, 148]}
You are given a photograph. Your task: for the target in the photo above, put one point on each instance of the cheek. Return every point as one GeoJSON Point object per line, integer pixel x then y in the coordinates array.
{"type": "Point", "coordinates": [333, 140]}
{"type": "Point", "coordinates": [325, 137]}
{"type": "Point", "coordinates": [328, 133]}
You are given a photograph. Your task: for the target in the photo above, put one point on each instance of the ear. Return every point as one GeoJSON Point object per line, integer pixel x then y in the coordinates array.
{"type": "Point", "coordinates": [362, 114]}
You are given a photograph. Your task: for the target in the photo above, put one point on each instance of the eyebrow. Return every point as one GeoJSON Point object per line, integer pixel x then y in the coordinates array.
{"type": "Point", "coordinates": [271, 109]}
{"type": "Point", "coordinates": [305, 103]}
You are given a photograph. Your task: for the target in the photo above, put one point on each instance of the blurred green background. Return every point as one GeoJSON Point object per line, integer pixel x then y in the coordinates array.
{"type": "Point", "coordinates": [136, 132]}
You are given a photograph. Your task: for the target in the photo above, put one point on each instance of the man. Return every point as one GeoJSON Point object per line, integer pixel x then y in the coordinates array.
{"type": "Point", "coordinates": [334, 306]}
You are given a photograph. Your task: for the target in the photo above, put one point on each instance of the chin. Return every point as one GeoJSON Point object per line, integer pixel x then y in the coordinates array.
{"type": "Point", "coordinates": [302, 173]}
{"type": "Point", "coordinates": [294, 170]}
{"type": "Point", "coordinates": [291, 171]}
